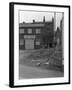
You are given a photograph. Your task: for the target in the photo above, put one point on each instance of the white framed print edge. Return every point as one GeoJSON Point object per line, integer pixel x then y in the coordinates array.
{"type": "Point", "coordinates": [39, 44]}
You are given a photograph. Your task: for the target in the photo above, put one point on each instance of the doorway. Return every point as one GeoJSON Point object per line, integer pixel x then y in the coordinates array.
{"type": "Point", "coordinates": [29, 44]}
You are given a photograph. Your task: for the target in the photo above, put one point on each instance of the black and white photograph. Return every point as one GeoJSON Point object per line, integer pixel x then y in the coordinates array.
{"type": "Point", "coordinates": [41, 53]}
{"type": "Point", "coordinates": [40, 44]}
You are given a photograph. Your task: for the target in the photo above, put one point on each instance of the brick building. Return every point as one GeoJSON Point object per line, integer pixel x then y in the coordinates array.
{"type": "Point", "coordinates": [36, 35]}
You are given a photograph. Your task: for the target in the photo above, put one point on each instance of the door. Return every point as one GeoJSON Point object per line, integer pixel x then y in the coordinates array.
{"type": "Point", "coordinates": [29, 44]}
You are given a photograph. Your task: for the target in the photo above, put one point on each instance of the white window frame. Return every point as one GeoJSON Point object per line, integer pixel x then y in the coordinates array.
{"type": "Point", "coordinates": [37, 42]}
{"type": "Point", "coordinates": [21, 31]}
{"type": "Point", "coordinates": [29, 30]}
{"type": "Point", "coordinates": [37, 30]}
{"type": "Point", "coordinates": [21, 42]}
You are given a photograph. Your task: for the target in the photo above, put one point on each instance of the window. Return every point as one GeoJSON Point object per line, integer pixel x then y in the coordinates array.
{"type": "Point", "coordinates": [29, 30]}
{"type": "Point", "coordinates": [37, 30]}
{"type": "Point", "coordinates": [37, 42]}
{"type": "Point", "coordinates": [21, 31]}
{"type": "Point", "coordinates": [21, 42]}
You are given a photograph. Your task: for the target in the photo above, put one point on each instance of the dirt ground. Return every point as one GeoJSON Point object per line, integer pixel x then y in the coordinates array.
{"type": "Point", "coordinates": [35, 64]}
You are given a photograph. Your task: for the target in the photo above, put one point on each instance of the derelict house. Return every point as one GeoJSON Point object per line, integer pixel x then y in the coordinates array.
{"type": "Point", "coordinates": [36, 35]}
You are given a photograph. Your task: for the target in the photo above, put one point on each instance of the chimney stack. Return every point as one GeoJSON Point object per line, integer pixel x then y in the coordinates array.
{"type": "Point", "coordinates": [43, 19]}
{"type": "Point", "coordinates": [33, 21]}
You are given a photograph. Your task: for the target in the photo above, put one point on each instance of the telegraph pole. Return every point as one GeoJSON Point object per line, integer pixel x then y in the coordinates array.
{"type": "Point", "coordinates": [54, 25]}
{"type": "Point", "coordinates": [54, 21]}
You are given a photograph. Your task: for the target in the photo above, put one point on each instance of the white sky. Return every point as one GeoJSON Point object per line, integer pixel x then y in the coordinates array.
{"type": "Point", "coordinates": [28, 16]}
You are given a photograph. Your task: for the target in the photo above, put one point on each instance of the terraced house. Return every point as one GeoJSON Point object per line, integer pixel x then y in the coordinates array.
{"type": "Point", "coordinates": [36, 35]}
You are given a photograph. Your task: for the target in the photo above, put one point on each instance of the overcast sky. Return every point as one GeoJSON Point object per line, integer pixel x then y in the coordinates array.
{"type": "Point", "coordinates": [29, 16]}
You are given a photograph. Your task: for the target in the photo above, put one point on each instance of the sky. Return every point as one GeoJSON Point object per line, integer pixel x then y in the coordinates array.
{"type": "Point", "coordinates": [29, 16]}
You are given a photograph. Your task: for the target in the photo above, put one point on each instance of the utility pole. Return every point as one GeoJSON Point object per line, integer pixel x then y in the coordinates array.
{"type": "Point", "coordinates": [54, 25]}
{"type": "Point", "coordinates": [54, 21]}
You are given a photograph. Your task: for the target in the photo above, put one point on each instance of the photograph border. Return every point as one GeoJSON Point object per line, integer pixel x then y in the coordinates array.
{"type": "Point", "coordinates": [11, 43]}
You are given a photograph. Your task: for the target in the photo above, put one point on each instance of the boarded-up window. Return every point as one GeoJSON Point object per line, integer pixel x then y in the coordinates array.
{"type": "Point", "coordinates": [21, 31]}
{"type": "Point", "coordinates": [37, 31]}
{"type": "Point", "coordinates": [21, 42]}
{"type": "Point", "coordinates": [29, 30]}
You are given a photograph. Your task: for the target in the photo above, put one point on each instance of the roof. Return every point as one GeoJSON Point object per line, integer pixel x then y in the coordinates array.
{"type": "Point", "coordinates": [35, 24]}
{"type": "Point", "coordinates": [31, 25]}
